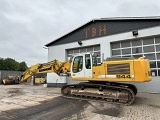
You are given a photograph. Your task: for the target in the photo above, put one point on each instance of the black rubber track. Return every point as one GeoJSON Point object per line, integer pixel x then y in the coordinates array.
{"type": "Point", "coordinates": [131, 90]}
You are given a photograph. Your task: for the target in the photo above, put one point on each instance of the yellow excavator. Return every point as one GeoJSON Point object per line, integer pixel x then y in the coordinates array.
{"type": "Point", "coordinates": [110, 81]}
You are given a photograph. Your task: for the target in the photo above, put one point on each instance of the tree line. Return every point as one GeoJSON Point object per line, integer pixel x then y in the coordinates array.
{"type": "Point", "coordinates": [11, 64]}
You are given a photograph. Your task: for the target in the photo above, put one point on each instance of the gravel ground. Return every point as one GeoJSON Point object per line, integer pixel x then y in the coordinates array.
{"type": "Point", "coordinates": [28, 102]}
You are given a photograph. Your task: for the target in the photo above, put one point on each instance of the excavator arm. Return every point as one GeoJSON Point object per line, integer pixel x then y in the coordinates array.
{"type": "Point", "coordinates": [53, 66]}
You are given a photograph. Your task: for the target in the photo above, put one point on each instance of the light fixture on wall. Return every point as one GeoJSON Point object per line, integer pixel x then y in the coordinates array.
{"type": "Point", "coordinates": [135, 32]}
{"type": "Point", "coordinates": [80, 42]}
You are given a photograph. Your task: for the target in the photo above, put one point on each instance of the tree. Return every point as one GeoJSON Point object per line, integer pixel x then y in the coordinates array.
{"type": "Point", "coordinates": [22, 66]}
{"type": "Point", "coordinates": [11, 64]}
{"type": "Point", "coordinates": [1, 64]}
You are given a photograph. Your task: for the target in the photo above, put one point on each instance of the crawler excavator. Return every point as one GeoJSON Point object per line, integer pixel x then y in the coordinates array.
{"type": "Point", "coordinates": [110, 81]}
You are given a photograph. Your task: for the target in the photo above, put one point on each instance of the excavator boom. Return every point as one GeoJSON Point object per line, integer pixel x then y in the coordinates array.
{"type": "Point", "coordinates": [52, 66]}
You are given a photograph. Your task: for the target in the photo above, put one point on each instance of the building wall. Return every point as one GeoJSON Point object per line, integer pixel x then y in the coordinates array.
{"type": "Point", "coordinates": [59, 52]}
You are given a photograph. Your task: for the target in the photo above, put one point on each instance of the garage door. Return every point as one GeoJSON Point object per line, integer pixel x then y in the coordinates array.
{"type": "Point", "coordinates": [92, 49]}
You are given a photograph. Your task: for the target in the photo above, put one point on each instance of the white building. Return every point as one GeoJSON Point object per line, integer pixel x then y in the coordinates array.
{"type": "Point", "coordinates": [107, 37]}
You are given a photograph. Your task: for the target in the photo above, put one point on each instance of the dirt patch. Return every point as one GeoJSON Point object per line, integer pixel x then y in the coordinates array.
{"type": "Point", "coordinates": [114, 112]}
{"type": "Point", "coordinates": [57, 108]}
{"type": "Point", "coordinates": [139, 100]}
{"type": "Point", "coordinates": [154, 106]}
{"type": "Point", "coordinates": [14, 91]}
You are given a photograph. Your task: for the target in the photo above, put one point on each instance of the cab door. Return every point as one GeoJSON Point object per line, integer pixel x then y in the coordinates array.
{"type": "Point", "coordinates": [77, 68]}
{"type": "Point", "coordinates": [88, 66]}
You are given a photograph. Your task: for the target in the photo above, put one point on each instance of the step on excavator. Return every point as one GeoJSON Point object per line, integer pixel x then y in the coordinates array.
{"type": "Point", "coordinates": [112, 80]}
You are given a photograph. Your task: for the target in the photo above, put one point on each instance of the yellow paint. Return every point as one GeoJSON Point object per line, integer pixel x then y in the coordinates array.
{"type": "Point", "coordinates": [139, 71]}
{"type": "Point", "coordinates": [40, 80]}
{"type": "Point", "coordinates": [53, 66]}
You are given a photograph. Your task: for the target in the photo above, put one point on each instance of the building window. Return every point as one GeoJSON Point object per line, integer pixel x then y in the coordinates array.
{"type": "Point", "coordinates": [153, 64]}
{"type": "Point", "coordinates": [136, 50]}
{"type": "Point", "coordinates": [116, 52]}
{"type": "Point", "coordinates": [150, 56]}
{"type": "Point", "coordinates": [137, 43]}
{"type": "Point", "coordinates": [90, 49]}
{"type": "Point", "coordinates": [157, 48]}
{"type": "Point", "coordinates": [137, 56]}
{"type": "Point", "coordinates": [115, 45]}
{"type": "Point", "coordinates": [157, 40]}
{"type": "Point", "coordinates": [82, 50]}
{"type": "Point", "coordinates": [98, 54]}
{"type": "Point", "coordinates": [125, 44]}
{"type": "Point", "coordinates": [148, 49]}
{"type": "Point", "coordinates": [154, 72]}
{"type": "Point", "coordinates": [158, 56]}
{"type": "Point", "coordinates": [96, 48]}
{"type": "Point", "coordinates": [148, 41]}
{"type": "Point", "coordinates": [126, 51]}
{"type": "Point", "coordinates": [70, 52]}
{"type": "Point", "coordinates": [76, 50]}
{"type": "Point", "coordinates": [158, 72]}
{"type": "Point", "coordinates": [158, 63]}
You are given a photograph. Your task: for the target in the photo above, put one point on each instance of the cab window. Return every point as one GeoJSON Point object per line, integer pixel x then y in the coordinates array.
{"type": "Point", "coordinates": [88, 61]}
{"type": "Point", "coordinates": [77, 64]}
{"type": "Point", "coordinates": [94, 60]}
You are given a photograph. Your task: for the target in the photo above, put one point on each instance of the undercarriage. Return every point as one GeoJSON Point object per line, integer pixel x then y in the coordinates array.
{"type": "Point", "coordinates": [104, 91]}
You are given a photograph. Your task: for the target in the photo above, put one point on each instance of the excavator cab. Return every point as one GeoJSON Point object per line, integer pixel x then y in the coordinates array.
{"type": "Point", "coordinates": [82, 66]}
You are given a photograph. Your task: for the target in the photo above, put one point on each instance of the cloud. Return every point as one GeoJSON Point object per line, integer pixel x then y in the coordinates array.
{"type": "Point", "coordinates": [27, 25]}
{"type": "Point", "coordinates": [139, 8]}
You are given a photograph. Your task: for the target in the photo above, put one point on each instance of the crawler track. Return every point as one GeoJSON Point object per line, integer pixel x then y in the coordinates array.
{"type": "Point", "coordinates": [111, 92]}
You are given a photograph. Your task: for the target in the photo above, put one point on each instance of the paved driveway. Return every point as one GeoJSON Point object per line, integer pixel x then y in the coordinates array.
{"type": "Point", "coordinates": [38, 103]}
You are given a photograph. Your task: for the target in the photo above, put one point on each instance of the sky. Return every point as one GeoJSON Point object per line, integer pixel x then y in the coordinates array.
{"type": "Point", "coordinates": [27, 25]}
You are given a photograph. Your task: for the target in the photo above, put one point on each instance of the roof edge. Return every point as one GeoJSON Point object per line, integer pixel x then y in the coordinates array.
{"type": "Point", "coordinates": [68, 33]}
{"type": "Point", "coordinates": [109, 18]}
